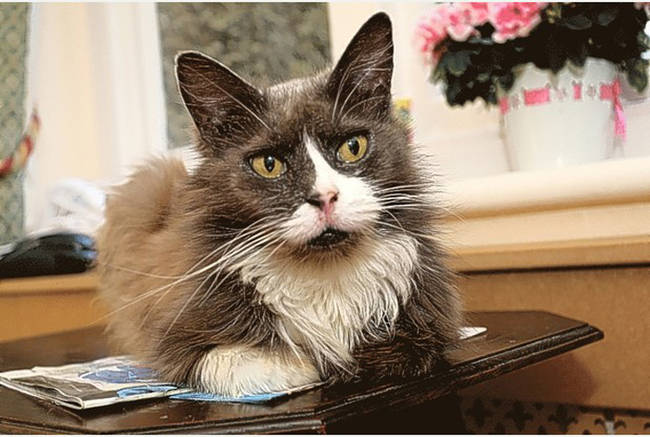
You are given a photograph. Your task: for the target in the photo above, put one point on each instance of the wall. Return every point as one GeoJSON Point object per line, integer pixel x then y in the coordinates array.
{"type": "Point", "coordinates": [94, 75]}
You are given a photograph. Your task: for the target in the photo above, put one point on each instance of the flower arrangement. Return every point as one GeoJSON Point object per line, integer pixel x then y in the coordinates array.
{"type": "Point", "coordinates": [474, 47]}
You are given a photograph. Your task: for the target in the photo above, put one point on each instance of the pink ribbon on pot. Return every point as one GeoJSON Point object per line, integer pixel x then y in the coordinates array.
{"type": "Point", "coordinates": [612, 92]}
{"type": "Point", "coordinates": [539, 96]}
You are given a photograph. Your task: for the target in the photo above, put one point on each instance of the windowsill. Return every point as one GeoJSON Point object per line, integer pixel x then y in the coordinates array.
{"type": "Point", "coordinates": [36, 285]}
{"type": "Point", "coordinates": [595, 214]}
{"type": "Point", "coordinates": [600, 183]}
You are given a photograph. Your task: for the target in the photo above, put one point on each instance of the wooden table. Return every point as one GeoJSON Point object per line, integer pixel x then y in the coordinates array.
{"type": "Point", "coordinates": [513, 340]}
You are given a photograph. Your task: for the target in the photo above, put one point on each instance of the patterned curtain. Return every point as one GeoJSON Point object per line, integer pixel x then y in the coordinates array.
{"type": "Point", "coordinates": [13, 48]}
{"type": "Point", "coordinates": [264, 42]}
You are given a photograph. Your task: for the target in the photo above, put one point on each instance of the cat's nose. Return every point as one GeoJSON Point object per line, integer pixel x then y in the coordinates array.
{"type": "Point", "coordinates": [323, 201]}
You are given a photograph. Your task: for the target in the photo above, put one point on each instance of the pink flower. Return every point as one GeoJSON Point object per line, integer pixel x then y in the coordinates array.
{"type": "Point", "coordinates": [475, 13]}
{"type": "Point", "coordinates": [457, 21]}
{"type": "Point", "coordinates": [513, 20]}
{"type": "Point", "coordinates": [429, 33]}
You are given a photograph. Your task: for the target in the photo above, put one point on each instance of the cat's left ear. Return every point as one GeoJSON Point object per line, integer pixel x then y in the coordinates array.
{"type": "Point", "coordinates": [220, 102]}
{"type": "Point", "coordinates": [362, 77]}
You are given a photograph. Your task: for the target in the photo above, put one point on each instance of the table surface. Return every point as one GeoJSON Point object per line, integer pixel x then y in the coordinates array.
{"type": "Point", "coordinates": [513, 340]}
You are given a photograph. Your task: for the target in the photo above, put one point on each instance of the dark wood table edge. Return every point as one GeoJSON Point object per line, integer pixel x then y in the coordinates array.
{"type": "Point", "coordinates": [317, 420]}
{"type": "Point", "coordinates": [462, 376]}
{"type": "Point", "coordinates": [395, 397]}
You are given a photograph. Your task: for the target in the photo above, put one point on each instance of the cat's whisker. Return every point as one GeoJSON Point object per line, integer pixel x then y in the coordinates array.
{"type": "Point", "coordinates": [187, 302]}
{"type": "Point", "coordinates": [396, 198]}
{"type": "Point", "coordinates": [254, 227]}
{"type": "Point", "coordinates": [410, 232]}
{"type": "Point", "coordinates": [137, 272]}
{"type": "Point", "coordinates": [424, 185]}
{"type": "Point", "coordinates": [149, 293]}
{"type": "Point", "coordinates": [398, 205]}
{"type": "Point", "coordinates": [134, 301]}
{"type": "Point", "coordinates": [234, 266]}
{"type": "Point", "coordinates": [153, 275]}
{"type": "Point", "coordinates": [224, 257]}
{"type": "Point", "coordinates": [197, 289]}
{"type": "Point", "coordinates": [396, 220]}
{"type": "Point", "coordinates": [235, 269]}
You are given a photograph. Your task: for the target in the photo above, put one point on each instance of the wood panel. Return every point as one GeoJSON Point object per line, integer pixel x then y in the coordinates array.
{"type": "Point", "coordinates": [587, 252]}
{"type": "Point", "coordinates": [47, 284]}
{"type": "Point", "coordinates": [37, 306]}
{"type": "Point", "coordinates": [613, 373]}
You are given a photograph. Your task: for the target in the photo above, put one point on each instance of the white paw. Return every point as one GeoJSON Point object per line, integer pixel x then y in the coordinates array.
{"type": "Point", "coordinates": [240, 370]}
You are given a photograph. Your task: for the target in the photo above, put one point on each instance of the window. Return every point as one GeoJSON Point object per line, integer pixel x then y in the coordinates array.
{"type": "Point", "coordinates": [260, 41]}
{"type": "Point", "coordinates": [13, 34]}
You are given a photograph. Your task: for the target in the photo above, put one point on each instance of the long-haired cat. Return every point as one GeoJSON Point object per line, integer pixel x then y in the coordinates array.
{"type": "Point", "coordinates": [302, 248]}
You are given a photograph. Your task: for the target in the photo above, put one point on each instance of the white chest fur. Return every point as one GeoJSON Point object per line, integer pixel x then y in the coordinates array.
{"type": "Point", "coordinates": [329, 308]}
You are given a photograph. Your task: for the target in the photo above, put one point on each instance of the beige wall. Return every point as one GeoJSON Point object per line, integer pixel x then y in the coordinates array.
{"type": "Point", "coordinates": [94, 75]}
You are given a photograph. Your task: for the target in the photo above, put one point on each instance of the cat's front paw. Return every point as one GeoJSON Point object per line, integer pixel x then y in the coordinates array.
{"type": "Point", "coordinates": [397, 361]}
{"type": "Point", "coordinates": [236, 371]}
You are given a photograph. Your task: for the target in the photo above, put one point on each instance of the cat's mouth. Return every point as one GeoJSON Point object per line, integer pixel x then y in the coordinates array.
{"type": "Point", "coordinates": [330, 237]}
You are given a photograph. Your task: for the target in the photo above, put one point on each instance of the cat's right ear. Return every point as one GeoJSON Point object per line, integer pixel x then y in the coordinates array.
{"type": "Point", "coordinates": [220, 102]}
{"type": "Point", "coordinates": [362, 77]}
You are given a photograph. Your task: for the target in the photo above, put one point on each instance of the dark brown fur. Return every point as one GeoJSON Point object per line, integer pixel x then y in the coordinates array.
{"type": "Point", "coordinates": [164, 220]}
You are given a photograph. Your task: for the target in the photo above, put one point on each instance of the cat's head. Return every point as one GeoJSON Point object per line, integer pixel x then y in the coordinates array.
{"type": "Point", "coordinates": [314, 164]}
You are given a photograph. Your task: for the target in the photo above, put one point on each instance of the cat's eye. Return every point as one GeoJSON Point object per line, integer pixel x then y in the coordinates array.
{"type": "Point", "coordinates": [267, 166]}
{"type": "Point", "coordinates": [353, 149]}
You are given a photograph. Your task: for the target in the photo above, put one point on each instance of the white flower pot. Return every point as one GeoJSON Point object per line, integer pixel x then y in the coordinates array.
{"type": "Point", "coordinates": [555, 120]}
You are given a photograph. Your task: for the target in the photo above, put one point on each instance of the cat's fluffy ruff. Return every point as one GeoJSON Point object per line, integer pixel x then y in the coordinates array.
{"type": "Point", "coordinates": [333, 307]}
{"type": "Point", "coordinates": [140, 221]}
{"type": "Point", "coordinates": [192, 264]}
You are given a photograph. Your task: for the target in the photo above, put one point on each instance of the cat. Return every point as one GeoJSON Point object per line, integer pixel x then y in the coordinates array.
{"type": "Point", "coordinates": [302, 248]}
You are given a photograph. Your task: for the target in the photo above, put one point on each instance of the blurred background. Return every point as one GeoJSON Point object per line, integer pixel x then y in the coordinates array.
{"type": "Point", "coordinates": [570, 237]}
{"type": "Point", "coordinates": [101, 77]}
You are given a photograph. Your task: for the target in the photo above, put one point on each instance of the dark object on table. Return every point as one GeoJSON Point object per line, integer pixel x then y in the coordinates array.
{"type": "Point", "coordinates": [54, 254]}
{"type": "Point", "coordinates": [513, 340]}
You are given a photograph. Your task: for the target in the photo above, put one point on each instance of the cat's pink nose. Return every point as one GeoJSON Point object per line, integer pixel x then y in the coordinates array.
{"type": "Point", "coordinates": [324, 201]}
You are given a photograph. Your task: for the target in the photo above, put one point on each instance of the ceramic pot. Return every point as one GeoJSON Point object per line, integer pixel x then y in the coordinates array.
{"type": "Point", "coordinates": [556, 120]}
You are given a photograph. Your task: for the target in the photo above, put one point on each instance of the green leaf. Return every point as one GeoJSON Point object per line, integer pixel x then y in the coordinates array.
{"type": "Point", "coordinates": [577, 22]}
{"type": "Point", "coordinates": [483, 76]}
{"type": "Point", "coordinates": [438, 74]}
{"type": "Point", "coordinates": [458, 62]}
{"type": "Point", "coordinates": [637, 74]}
{"type": "Point", "coordinates": [480, 40]}
{"type": "Point", "coordinates": [452, 91]}
{"type": "Point", "coordinates": [578, 55]}
{"type": "Point", "coordinates": [578, 60]}
{"type": "Point", "coordinates": [607, 16]}
{"type": "Point", "coordinates": [553, 12]}
{"type": "Point", "coordinates": [506, 81]}
{"type": "Point", "coordinates": [643, 40]}
{"type": "Point", "coordinates": [491, 98]}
